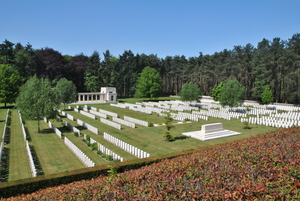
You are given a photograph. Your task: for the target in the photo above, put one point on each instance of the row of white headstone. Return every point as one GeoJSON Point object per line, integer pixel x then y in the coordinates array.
{"type": "Point", "coordinates": [98, 114]}
{"type": "Point", "coordinates": [30, 158]}
{"type": "Point", "coordinates": [111, 123]}
{"type": "Point", "coordinates": [86, 160]}
{"type": "Point", "coordinates": [31, 162]}
{"type": "Point", "coordinates": [288, 115]}
{"type": "Point", "coordinates": [193, 117]}
{"type": "Point", "coordinates": [4, 133]}
{"type": "Point", "coordinates": [124, 122]}
{"type": "Point", "coordinates": [87, 114]}
{"type": "Point", "coordinates": [119, 105]}
{"type": "Point", "coordinates": [72, 128]}
{"type": "Point", "coordinates": [67, 115]}
{"type": "Point", "coordinates": [88, 107]}
{"type": "Point", "coordinates": [141, 109]}
{"type": "Point", "coordinates": [213, 113]}
{"type": "Point", "coordinates": [107, 151]}
{"type": "Point", "coordinates": [87, 126]}
{"type": "Point", "coordinates": [136, 121]}
{"type": "Point", "coordinates": [127, 147]}
{"type": "Point", "coordinates": [254, 111]}
{"type": "Point", "coordinates": [55, 130]}
{"type": "Point", "coordinates": [265, 121]}
{"type": "Point", "coordinates": [108, 113]}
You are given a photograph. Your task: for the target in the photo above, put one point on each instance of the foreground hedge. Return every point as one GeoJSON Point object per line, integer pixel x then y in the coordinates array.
{"type": "Point", "coordinates": [265, 167]}
{"type": "Point", "coordinates": [29, 185]}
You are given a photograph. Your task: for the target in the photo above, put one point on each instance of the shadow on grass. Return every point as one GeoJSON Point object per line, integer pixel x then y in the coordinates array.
{"type": "Point", "coordinates": [7, 107]}
{"type": "Point", "coordinates": [80, 128]}
{"type": "Point", "coordinates": [46, 131]}
{"type": "Point", "coordinates": [180, 138]}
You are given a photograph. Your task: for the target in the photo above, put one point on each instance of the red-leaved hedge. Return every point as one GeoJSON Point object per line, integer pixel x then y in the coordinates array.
{"type": "Point", "coordinates": [265, 167]}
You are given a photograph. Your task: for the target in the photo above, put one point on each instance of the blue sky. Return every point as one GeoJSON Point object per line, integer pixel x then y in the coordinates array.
{"type": "Point", "coordinates": [162, 27]}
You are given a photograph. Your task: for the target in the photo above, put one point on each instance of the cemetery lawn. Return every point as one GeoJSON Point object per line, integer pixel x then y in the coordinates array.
{"type": "Point", "coordinates": [99, 138]}
{"type": "Point", "coordinates": [150, 139]}
{"type": "Point", "coordinates": [53, 154]}
{"type": "Point", "coordinates": [2, 120]}
{"type": "Point", "coordinates": [19, 167]}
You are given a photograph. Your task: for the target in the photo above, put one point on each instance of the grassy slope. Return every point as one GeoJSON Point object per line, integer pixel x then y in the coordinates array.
{"type": "Point", "coordinates": [98, 138]}
{"type": "Point", "coordinates": [2, 121]}
{"type": "Point", "coordinates": [53, 154]}
{"type": "Point", "coordinates": [151, 139]}
{"type": "Point", "coordinates": [18, 160]}
{"type": "Point", "coordinates": [264, 167]}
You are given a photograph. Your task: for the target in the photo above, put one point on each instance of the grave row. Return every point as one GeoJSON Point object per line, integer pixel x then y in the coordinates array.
{"type": "Point", "coordinates": [288, 115]}
{"type": "Point", "coordinates": [124, 122]}
{"type": "Point", "coordinates": [213, 113]}
{"type": "Point", "coordinates": [30, 158]}
{"type": "Point", "coordinates": [137, 121]}
{"type": "Point", "coordinates": [108, 113]}
{"type": "Point", "coordinates": [31, 162]}
{"type": "Point", "coordinates": [87, 114]}
{"type": "Point", "coordinates": [267, 121]}
{"type": "Point", "coordinates": [182, 116]}
{"type": "Point", "coordinates": [98, 114]}
{"type": "Point", "coordinates": [87, 126]}
{"type": "Point", "coordinates": [4, 133]}
{"type": "Point", "coordinates": [67, 115]}
{"type": "Point", "coordinates": [72, 128]}
{"type": "Point", "coordinates": [259, 111]}
{"type": "Point", "coordinates": [127, 147]}
{"type": "Point", "coordinates": [110, 123]}
{"type": "Point", "coordinates": [107, 151]}
{"type": "Point", "coordinates": [55, 130]}
{"type": "Point", "coordinates": [119, 105]}
{"type": "Point", "coordinates": [141, 109]}
{"type": "Point", "coordinates": [86, 160]}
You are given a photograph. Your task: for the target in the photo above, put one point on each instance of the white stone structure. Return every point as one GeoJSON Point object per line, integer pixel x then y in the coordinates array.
{"type": "Point", "coordinates": [106, 94]}
{"type": "Point", "coordinates": [211, 131]}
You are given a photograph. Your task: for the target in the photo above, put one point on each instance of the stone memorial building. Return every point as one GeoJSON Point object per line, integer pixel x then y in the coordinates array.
{"type": "Point", "coordinates": [106, 94]}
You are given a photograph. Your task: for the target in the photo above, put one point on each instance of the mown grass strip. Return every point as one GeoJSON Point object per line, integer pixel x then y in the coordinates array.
{"type": "Point", "coordinates": [99, 138]}
{"type": "Point", "coordinates": [84, 148]}
{"type": "Point", "coordinates": [18, 160]}
{"type": "Point", "coordinates": [53, 154]}
{"type": "Point", "coordinates": [2, 121]}
{"type": "Point", "coordinates": [151, 139]}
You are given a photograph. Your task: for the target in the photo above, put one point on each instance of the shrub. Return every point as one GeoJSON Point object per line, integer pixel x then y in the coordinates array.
{"type": "Point", "coordinates": [246, 125]}
{"type": "Point", "coordinates": [94, 146]}
{"type": "Point", "coordinates": [88, 138]}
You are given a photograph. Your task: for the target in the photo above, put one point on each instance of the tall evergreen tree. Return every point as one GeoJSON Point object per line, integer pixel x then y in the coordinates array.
{"type": "Point", "coordinates": [92, 76]}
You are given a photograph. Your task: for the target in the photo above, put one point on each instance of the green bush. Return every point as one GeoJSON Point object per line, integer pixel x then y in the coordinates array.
{"type": "Point", "coordinates": [94, 146]}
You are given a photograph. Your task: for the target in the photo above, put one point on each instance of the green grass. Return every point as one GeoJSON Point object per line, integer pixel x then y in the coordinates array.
{"type": "Point", "coordinates": [151, 139]}
{"type": "Point", "coordinates": [55, 156]}
{"type": "Point", "coordinates": [98, 138]}
{"type": "Point", "coordinates": [52, 153]}
{"type": "Point", "coordinates": [3, 113]}
{"type": "Point", "coordinates": [18, 160]}
{"type": "Point", "coordinates": [77, 141]}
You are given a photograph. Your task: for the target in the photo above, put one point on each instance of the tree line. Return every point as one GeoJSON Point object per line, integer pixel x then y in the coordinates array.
{"type": "Point", "coordinates": [273, 63]}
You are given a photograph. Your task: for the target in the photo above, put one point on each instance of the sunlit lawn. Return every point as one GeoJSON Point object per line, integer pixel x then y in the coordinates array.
{"type": "Point", "coordinates": [150, 139]}
{"type": "Point", "coordinates": [53, 154]}
{"type": "Point", "coordinates": [18, 160]}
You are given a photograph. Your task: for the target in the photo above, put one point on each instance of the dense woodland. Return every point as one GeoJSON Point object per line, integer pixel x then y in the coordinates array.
{"type": "Point", "coordinates": [275, 63]}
